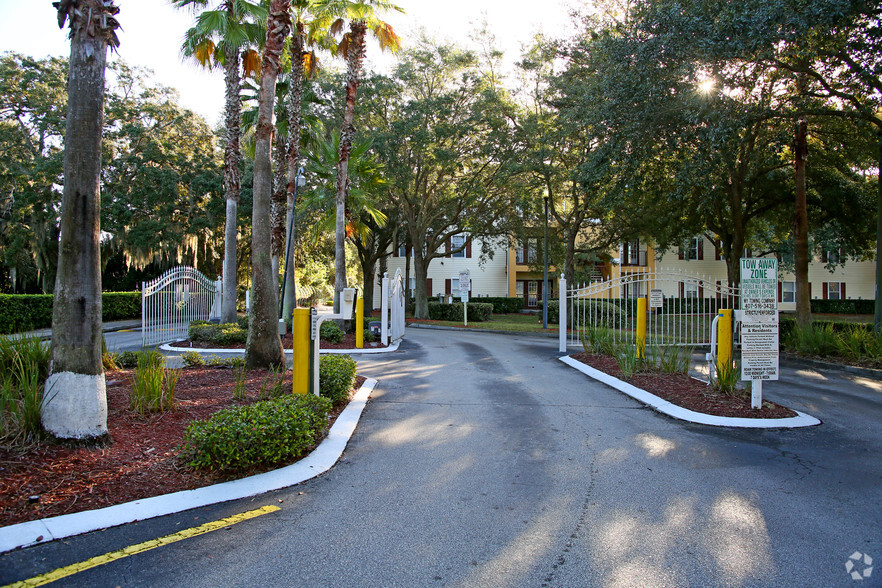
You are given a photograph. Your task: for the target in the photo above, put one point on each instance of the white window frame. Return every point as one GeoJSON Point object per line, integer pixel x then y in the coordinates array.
{"type": "Point", "coordinates": [691, 252]}
{"type": "Point", "coordinates": [830, 295]}
{"type": "Point", "coordinates": [788, 290]}
{"type": "Point", "coordinates": [690, 290]}
{"type": "Point", "coordinates": [454, 245]}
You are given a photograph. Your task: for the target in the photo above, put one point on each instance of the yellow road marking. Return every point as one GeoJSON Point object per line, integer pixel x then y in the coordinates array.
{"type": "Point", "coordinates": [100, 560]}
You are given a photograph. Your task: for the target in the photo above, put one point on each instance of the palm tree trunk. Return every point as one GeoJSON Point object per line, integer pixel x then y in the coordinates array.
{"type": "Point", "coordinates": [279, 205]}
{"type": "Point", "coordinates": [231, 186]}
{"type": "Point", "coordinates": [264, 348]}
{"type": "Point", "coordinates": [295, 101]}
{"type": "Point", "coordinates": [801, 256]}
{"type": "Point", "coordinates": [74, 400]}
{"type": "Point", "coordinates": [354, 59]}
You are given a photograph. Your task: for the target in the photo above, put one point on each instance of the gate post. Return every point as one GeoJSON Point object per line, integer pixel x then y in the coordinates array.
{"type": "Point", "coordinates": [562, 314]}
{"type": "Point", "coordinates": [359, 323]}
{"type": "Point", "coordinates": [384, 310]}
{"type": "Point", "coordinates": [724, 341]}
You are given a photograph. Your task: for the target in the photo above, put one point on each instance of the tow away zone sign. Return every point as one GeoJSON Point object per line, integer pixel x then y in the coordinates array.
{"type": "Point", "coordinates": [759, 323]}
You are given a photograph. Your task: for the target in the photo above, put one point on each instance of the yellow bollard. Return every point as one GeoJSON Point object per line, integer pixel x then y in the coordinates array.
{"type": "Point", "coordinates": [359, 323]}
{"type": "Point", "coordinates": [724, 341]}
{"type": "Point", "coordinates": [300, 330]}
{"type": "Point", "coordinates": [641, 328]}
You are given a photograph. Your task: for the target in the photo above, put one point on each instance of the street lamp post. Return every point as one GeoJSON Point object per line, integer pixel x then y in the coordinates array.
{"type": "Point", "coordinates": [289, 296]}
{"type": "Point", "coordinates": [545, 276]}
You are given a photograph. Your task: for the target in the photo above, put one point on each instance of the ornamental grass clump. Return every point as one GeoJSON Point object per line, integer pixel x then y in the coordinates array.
{"type": "Point", "coordinates": [268, 432]}
{"type": "Point", "coordinates": [24, 364]}
{"type": "Point", "coordinates": [153, 386]}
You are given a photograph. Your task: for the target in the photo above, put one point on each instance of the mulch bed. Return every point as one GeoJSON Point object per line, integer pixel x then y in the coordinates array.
{"type": "Point", "coordinates": [688, 392]}
{"type": "Point", "coordinates": [141, 461]}
{"type": "Point", "coordinates": [348, 342]}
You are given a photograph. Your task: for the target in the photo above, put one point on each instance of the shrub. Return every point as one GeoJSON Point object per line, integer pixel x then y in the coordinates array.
{"type": "Point", "coordinates": [866, 306]}
{"type": "Point", "coordinates": [368, 336]}
{"type": "Point", "coordinates": [441, 311]}
{"type": "Point", "coordinates": [502, 305]}
{"type": "Point", "coordinates": [222, 334]}
{"type": "Point", "coordinates": [331, 332]}
{"type": "Point", "coordinates": [336, 376]}
{"type": "Point", "coordinates": [117, 306]}
{"type": "Point", "coordinates": [25, 312]}
{"type": "Point", "coordinates": [192, 359]}
{"type": "Point", "coordinates": [268, 432]}
{"type": "Point", "coordinates": [242, 321]}
{"type": "Point", "coordinates": [604, 313]}
{"type": "Point", "coordinates": [127, 359]}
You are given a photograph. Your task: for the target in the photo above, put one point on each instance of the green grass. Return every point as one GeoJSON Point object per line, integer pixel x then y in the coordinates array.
{"type": "Point", "coordinates": [500, 322]}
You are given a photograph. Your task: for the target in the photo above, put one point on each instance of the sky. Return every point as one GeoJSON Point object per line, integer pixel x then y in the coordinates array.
{"type": "Point", "coordinates": [152, 32]}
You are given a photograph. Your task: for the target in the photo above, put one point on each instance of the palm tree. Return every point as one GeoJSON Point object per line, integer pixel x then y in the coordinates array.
{"type": "Point", "coordinates": [264, 348]}
{"type": "Point", "coordinates": [363, 17]}
{"type": "Point", "coordinates": [226, 37]}
{"type": "Point", "coordinates": [74, 398]}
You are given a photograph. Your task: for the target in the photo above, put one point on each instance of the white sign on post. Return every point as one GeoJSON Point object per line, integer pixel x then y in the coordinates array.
{"type": "Point", "coordinates": [759, 323]}
{"type": "Point", "coordinates": [465, 281]}
{"type": "Point", "coordinates": [656, 298]}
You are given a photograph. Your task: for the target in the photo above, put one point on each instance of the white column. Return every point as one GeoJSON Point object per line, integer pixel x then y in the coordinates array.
{"type": "Point", "coordinates": [562, 313]}
{"type": "Point", "coordinates": [384, 310]}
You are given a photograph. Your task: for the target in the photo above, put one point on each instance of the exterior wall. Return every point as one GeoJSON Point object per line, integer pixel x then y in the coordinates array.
{"type": "Point", "coordinates": [488, 279]}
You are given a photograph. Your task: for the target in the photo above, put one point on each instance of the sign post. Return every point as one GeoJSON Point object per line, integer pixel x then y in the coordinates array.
{"type": "Point", "coordinates": [465, 284]}
{"type": "Point", "coordinates": [759, 324]}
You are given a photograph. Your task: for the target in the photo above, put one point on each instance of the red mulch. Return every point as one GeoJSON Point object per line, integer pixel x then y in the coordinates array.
{"type": "Point", "coordinates": [688, 392]}
{"type": "Point", "coordinates": [140, 462]}
{"type": "Point", "coordinates": [348, 342]}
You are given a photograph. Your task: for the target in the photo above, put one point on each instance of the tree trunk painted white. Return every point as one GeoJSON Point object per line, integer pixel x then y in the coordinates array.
{"type": "Point", "coordinates": [74, 399]}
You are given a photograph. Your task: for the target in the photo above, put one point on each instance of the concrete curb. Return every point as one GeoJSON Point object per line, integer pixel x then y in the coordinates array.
{"type": "Point", "coordinates": [684, 414]}
{"type": "Point", "coordinates": [316, 463]}
{"type": "Point", "coordinates": [389, 349]}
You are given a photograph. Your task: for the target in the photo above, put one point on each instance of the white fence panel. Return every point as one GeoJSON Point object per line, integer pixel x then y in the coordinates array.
{"type": "Point", "coordinates": [680, 309]}
{"type": "Point", "coordinates": [397, 303]}
{"type": "Point", "coordinates": [173, 300]}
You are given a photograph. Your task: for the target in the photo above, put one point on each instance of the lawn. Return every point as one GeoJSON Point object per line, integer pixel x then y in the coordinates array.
{"type": "Point", "coordinates": [498, 322]}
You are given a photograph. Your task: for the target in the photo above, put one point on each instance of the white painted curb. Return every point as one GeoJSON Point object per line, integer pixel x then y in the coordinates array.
{"type": "Point", "coordinates": [318, 462]}
{"type": "Point", "coordinates": [389, 349]}
{"type": "Point", "coordinates": [678, 412]}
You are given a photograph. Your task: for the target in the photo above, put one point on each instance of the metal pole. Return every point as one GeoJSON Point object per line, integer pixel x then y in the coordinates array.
{"type": "Point", "coordinates": [545, 275]}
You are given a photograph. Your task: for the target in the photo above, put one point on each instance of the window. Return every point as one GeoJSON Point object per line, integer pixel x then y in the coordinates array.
{"type": "Point", "coordinates": [526, 251]}
{"type": "Point", "coordinates": [690, 290]}
{"type": "Point", "coordinates": [632, 255]}
{"type": "Point", "coordinates": [412, 286]}
{"type": "Point", "coordinates": [788, 291]}
{"type": "Point", "coordinates": [532, 294]}
{"type": "Point", "coordinates": [632, 290]}
{"type": "Point", "coordinates": [833, 256]}
{"type": "Point", "coordinates": [834, 290]}
{"type": "Point", "coordinates": [454, 286]}
{"type": "Point", "coordinates": [693, 249]}
{"type": "Point", "coordinates": [456, 242]}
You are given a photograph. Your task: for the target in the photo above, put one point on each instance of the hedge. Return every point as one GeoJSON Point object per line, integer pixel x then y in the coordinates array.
{"type": "Point", "coordinates": [866, 306]}
{"type": "Point", "coordinates": [478, 311]}
{"type": "Point", "coordinates": [502, 305]}
{"type": "Point", "coordinates": [26, 312]}
{"type": "Point", "coordinates": [613, 314]}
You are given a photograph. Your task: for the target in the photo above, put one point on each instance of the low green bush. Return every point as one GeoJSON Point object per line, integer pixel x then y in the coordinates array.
{"type": "Point", "coordinates": [24, 365]}
{"type": "Point", "coordinates": [126, 359]}
{"type": "Point", "coordinates": [369, 337]}
{"type": "Point", "coordinates": [606, 314]}
{"type": "Point", "coordinates": [242, 321]}
{"type": "Point", "coordinates": [336, 376]}
{"type": "Point", "coordinates": [503, 305]}
{"type": "Point", "coordinates": [441, 311]}
{"type": "Point", "coordinates": [268, 432]}
{"type": "Point", "coordinates": [867, 306]}
{"type": "Point", "coordinates": [222, 334]}
{"type": "Point", "coordinates": [192, 359]}
{"type": "Point", "coordinates": [331, 332]}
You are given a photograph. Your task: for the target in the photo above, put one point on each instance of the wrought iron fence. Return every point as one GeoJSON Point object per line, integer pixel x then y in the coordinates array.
{"type": "Point", "coordinates": [173, 300]}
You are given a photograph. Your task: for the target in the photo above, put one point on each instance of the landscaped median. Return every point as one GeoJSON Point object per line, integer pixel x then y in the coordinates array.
{"type": "Point", "coordinates": [179, 439]}
{"type": "Point", "coordinates": [681, 389]}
